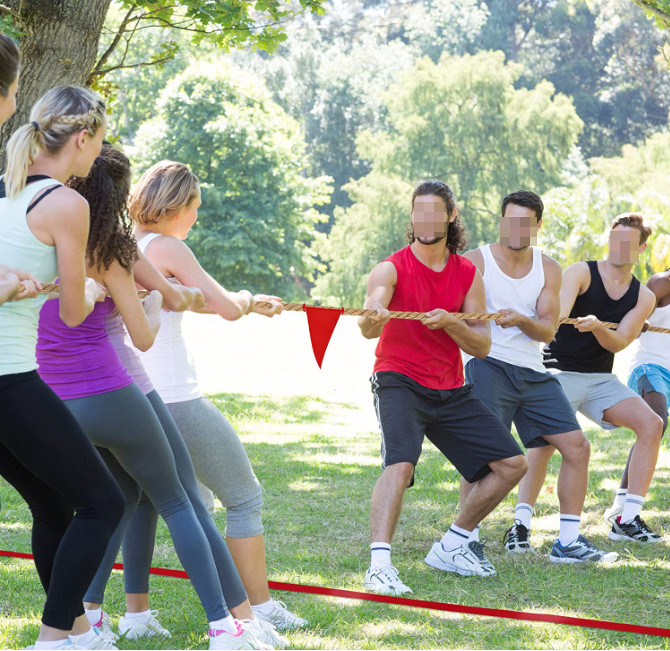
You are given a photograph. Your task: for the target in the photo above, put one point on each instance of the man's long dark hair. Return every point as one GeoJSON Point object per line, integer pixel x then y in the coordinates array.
{"type": "Point", "coordinates": [456, 235]}
{"type": "Point", "coordinates": [106, 188]}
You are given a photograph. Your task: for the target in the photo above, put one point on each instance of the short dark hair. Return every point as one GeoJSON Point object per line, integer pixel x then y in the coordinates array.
{"type": "Point", "coordinates": [456, 235]}
{"type": "Point", "coordinates": [10, 62]}
{"type": "Point", "coordinates": [525, 199]}
{"type": "Point", "coordinates": [633, 220]}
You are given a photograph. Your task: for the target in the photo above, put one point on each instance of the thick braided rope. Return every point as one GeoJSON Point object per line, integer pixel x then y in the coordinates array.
{"type": "Point", "coordinates": [418, 316]}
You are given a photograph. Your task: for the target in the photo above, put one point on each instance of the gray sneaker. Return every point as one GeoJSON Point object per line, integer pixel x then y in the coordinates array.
{"type": "Point", "coordinates": [477, 547]}
{"type": "Point", "coordinates": [580, 551]}
{"type": "Point", "coordinates": [463, 560]}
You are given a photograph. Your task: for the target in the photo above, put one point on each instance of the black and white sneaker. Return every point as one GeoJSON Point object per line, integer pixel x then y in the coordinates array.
{"type": "Point", "coordinates": [580, 551]}
{"type": "Point", "coordinates": [517, 539]}
{"type": "Point", "coordinates": [637, 530]}
{"type": "Point", "coordinates": [477, 548]}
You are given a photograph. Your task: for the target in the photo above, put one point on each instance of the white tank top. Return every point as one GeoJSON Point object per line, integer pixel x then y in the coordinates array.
{"type": "Point", "coordinates": [510, 345]}
{"type": "Point", "coordinates": [653, 347]}
{"type": "Point", "coordinates": [168, 362]}
{"type": "Point", "coordinates": [20, 249]}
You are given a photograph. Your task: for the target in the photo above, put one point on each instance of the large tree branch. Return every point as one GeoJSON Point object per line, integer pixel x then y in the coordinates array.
{"type": "Point", "coordinates": [140, 64]}
{"type": "Point", "coordinates": [115, 41]}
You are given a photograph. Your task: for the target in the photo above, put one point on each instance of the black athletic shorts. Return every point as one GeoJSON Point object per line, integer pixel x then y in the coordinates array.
{"type": "Point", "coordinates": [459, 425]}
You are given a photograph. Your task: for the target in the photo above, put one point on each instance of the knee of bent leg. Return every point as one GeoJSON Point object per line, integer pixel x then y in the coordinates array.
{"type": "Point", "coordinates": [403, 471]}
{"type": "Point", "coordinates": [514, 468]}
{"type": "Point", "coordinates": [578, 450]}
{"type": "Point", "coordinates": [244, 519]}
{"type": "Point", "coordinates": [652, 428]}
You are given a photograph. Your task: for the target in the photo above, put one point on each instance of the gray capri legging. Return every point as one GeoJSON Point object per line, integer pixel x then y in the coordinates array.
{"type": "Point", "coordinates": [123, 424]}
{"type": "Point", "coordinates": [221, 464]}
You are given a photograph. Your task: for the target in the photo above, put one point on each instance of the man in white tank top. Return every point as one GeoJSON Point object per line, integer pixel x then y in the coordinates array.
{"type": "Point", "coordinates": [523, 285]}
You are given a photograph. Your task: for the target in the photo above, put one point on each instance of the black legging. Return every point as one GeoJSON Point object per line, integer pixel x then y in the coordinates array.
{"type": "Point", "coordinates": [47, 457]}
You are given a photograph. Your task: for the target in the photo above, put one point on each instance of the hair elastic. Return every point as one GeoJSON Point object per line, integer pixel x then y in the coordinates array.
{"type": "Point", "coordinates": [36, 125]}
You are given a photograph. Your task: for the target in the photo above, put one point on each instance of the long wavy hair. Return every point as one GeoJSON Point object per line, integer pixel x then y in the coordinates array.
{"type": "Point", "coordinates": [456, 235]}
{"type": "Point", "coordinates": [106, 188]}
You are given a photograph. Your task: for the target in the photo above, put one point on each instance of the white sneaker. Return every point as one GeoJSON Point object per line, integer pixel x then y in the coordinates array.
{"type": "Point", "coordinates": [132, 628]}
{"type": "Point", "coordinates": [243, 638]}
{"type": "Point", "coordinates": [101, 642]}
{"type": "Point", "coordinates": [265, 632]}
{"type": "Point", "coordinates": [104, 627]}
{"type": "Point", "coordinates": [461, 560]}
{"type": "Point", "coordinates": [385, 580]}
{"type": "Point", "coordinates": [281, 617]}
{"type": "Point", "coordinates": [67, 644]}
{"type": "Point", "coordinates": [612, 512]}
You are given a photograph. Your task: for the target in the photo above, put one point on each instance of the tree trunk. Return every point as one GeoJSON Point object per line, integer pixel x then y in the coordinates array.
{"type": "Point", "coordinates": [59, 47]}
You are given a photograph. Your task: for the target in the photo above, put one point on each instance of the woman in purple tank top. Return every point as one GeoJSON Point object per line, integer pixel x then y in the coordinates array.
{"type": "Point", "coordinates": [82, 367]}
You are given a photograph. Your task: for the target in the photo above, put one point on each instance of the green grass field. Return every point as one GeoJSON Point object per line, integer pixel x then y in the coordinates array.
{"type": "Point", "coordinates": [318, 465]}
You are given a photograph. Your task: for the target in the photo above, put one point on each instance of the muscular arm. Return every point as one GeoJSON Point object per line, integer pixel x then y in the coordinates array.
{"type": "Point", "coordinates": [659, 284]}
{"type": "Point", "coordinates": [473, 337]}
{"type": "Point", "coordinates": [576, 280]}
{"type": "Point", "coordinates": [630, 326]}
{"type": "Point", "coordinates": [381, 285]}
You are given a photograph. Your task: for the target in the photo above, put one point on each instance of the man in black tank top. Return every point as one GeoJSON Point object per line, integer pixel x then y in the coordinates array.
{"type": "Point", "coordinates": [582, 357]}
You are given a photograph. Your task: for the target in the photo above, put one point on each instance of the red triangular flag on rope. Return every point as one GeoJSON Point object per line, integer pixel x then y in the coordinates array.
{"type": "Point", "coordinates": [321, 322]}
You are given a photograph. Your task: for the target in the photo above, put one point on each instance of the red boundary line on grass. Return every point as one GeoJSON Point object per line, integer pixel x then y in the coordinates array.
{"type": "Point", "coordinates": [431, 605]}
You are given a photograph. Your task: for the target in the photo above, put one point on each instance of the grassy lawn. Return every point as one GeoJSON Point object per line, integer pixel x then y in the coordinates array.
{"type": "Point", "coordinates": [318, 465]}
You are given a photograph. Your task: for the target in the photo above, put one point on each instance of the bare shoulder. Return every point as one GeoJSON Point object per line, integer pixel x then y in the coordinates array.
{"type": "Point", "coordinates": [659, 283]}
{"type": "Point", "coordinates": [475, 256]}
{"type": "Point", "coordinates": [65, 205]}
{"type": "Point", "coordinates": [551, 266]}
{"type": "Point", "coordinates": [646, 296]}
{"type": "Point", "coordinates": [384, 272]}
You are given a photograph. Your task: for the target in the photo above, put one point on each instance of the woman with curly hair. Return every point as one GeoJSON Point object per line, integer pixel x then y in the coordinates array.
{"type": "Point", "coordinates": [82, 367]}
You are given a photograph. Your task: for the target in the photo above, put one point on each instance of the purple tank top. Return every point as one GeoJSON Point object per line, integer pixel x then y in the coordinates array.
{"type": "Point", "coordinates": [78, 362]}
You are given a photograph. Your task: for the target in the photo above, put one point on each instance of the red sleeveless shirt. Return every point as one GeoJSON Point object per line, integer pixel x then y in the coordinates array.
{"type": "Point", "coordinates": [430, 357]}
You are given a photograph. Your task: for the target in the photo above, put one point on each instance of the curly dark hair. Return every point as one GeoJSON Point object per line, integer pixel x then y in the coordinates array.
{"type": "Point", "coordinates": [456, 234]}
{"type": "Point", "coordinates": [106, 188]}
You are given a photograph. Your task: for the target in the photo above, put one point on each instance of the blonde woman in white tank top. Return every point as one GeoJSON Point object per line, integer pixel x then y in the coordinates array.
{"type": "Point", "coordinates": [164, 205]}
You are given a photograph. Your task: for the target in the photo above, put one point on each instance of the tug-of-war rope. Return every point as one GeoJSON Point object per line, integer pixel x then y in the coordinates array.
{"type": "Point", "coordinates": [417, 316]}
{"type": "Point", "coordinates": [422, 603]}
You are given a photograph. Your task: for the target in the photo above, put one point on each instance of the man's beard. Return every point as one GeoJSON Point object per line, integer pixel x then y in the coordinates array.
{"type": "Point", "coordinates": [520, 247]}
{"type": "Point", "coordinates": [430, 240]}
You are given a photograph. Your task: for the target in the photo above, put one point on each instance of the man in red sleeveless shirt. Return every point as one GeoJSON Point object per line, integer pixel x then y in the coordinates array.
{"type": "Point", "coordinates": [418, 388]}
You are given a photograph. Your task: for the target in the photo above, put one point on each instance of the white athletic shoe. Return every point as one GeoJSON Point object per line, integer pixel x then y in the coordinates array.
{"type": "Point", "coordinates": [385, 580]}
{"type": "Point", "coordinates": [461, 560]}
{"type": "Point", "coordinates": [243, 638]}
{"type": "Point", "coordinates": [281, 617]}
{"type": "Point", "coordinates": [67, 644]}
{"type": "Point", "coordinates": [131, 628]}
{"type": "Point", "coordinates": [265, 632]}
{"type": "Point", "coordinates": [104, 627]}
{"type": "Point", "coordinates": [101, 642]}
{"type": "Point", "coordinates": [612, 512]}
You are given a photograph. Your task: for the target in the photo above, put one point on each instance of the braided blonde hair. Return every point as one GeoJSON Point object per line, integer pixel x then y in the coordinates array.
{"type": "Point", "coordinates": [58, 114]}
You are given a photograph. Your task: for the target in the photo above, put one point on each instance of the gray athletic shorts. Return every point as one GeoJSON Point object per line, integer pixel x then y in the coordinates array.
{"type": "Point", "coordinates": [533, 401]}
{"type": "Point", "coordinates": [593, 393]}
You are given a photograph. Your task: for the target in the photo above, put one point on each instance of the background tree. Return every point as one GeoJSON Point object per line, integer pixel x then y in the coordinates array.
{"type": "Point", "coordinates": [59, 38]}
{"type": "Point", "coordinates": [258, 214]}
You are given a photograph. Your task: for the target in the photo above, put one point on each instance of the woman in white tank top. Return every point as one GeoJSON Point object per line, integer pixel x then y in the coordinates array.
{"type": "Point", "coordinates": [164, 205]}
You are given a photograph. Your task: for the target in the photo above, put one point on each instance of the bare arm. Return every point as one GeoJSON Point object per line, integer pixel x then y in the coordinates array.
{"type": "Point", "coordinates": [174, 258]}
{"type": "Point", "coordinates": [381, 285]}
{"type": "Point", "coordinates": [68, 219]}
{"type": "Point", "coordinates": [473, 337]}
{"type": "Point", "coordinates": [660, 285]}
{"type": "Point", "coordinates": [142, 318]}
{"type": "Point", "coordinates": [576, 280]}
{"type": "Point", "coordinates": [176, 297]}
{"type": "Point", "coordinates": [9, 285]}
{"type": "Point", "coordinates": [542, 328]}
{"type": "Point", "coordinates": [629, 328]}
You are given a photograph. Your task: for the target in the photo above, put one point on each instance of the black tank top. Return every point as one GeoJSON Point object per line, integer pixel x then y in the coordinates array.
{"type": "Point", "coordinates": [572, 350]}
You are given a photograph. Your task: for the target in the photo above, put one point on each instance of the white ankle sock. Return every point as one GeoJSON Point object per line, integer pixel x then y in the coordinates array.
{"type": "Point", "coordinates": [475, 534]}
{"type": "Point", "coordinates": [632, 507]}
{"type": "Point", "coordinates": [85, 639]}
{"type": "Point", "coordinates": [264, 608]}
{"type": "Point", "coordinates": [569, 529]}
{"type": "Point", "coordinates": [523, 513]}
{"type": "Point", "coordinates": [226, 624]}
{"type": "Point", "coordinates": [55, 644]}
{"type": "Point", "coordinates": [620, 498]}
{"type": "Point", "coordinates": [380, 554]}
{"type": "Point", "coordinates": [142, 617]}
{"type": "Point", "coordinates": [94, 615]}
{"type": "Point", "coordinates": [455, 537]}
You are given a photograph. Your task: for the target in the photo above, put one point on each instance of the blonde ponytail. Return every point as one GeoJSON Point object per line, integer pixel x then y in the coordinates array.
{"type": "Point", "coordinates": [59, 113]}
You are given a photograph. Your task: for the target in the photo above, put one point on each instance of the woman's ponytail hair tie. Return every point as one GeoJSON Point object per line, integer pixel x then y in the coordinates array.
{"type": "Point", "coordinates": [36, 125]}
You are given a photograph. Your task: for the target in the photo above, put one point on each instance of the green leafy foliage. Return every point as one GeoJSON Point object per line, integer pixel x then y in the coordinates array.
{"type": "Point", "coordinates": [259, 211]}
